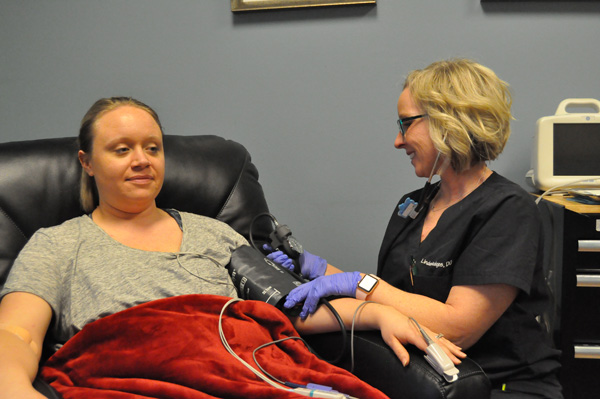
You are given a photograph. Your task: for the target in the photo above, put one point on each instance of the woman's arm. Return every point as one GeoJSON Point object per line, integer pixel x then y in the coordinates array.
{"type": "Point", "coordinates": [396, 329]}
{"type": "Point", "coordinates": [466, 315]}
{"type": "Point", "coordinates": [332, 270]}
{"type": "Point", "coordinates": [24, 320]}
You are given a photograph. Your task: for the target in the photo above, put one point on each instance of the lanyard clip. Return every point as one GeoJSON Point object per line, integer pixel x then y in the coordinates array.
{"type": "Point", "coordinates": [407, 208]}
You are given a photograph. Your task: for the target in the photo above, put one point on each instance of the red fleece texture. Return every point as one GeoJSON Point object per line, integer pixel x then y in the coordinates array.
{"type": "Point", "coordinates": [170, 348]}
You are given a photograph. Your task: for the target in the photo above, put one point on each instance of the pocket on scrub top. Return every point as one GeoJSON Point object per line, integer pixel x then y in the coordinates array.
{"type": "Point", "coordinates": [432, 281]}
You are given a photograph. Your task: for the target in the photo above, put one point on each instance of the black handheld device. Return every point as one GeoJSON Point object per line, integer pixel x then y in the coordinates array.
{"type": "Point", "coordinates": [281, 239]}
{"type": "Point", "coordinates": [258, 278]}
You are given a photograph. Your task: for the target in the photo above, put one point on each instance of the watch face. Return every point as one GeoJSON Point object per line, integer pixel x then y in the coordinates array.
{"type": "Point", "coordinates": [367, 283]}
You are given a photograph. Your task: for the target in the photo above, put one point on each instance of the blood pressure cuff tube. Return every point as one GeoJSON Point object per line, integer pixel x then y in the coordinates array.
{"type": "Point", "coordinates": [258, 278]}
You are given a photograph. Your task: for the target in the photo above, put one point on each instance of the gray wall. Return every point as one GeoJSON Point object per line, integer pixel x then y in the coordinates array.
{"type": "Point", "coordinates": [311, 93]}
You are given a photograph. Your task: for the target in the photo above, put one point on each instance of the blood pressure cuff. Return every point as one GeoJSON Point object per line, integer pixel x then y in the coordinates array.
{"type": "Point", "coordinates": [258, 278]}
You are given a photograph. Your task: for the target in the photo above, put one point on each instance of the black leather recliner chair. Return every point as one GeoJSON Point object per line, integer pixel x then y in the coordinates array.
{"type": "Point", "coordinates": [208, 175]}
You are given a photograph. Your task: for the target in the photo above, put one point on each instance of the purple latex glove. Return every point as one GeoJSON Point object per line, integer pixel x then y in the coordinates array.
{"type": "Point", "coordinates": [280, 258]}
{"type": "Point", "coordinates": [311, 266]}
{"type": "Point", "coordinates": [343, 284]}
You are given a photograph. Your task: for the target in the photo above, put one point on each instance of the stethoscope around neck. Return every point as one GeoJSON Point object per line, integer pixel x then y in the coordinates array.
{"type": "Point", "coordinates": [410, 208]}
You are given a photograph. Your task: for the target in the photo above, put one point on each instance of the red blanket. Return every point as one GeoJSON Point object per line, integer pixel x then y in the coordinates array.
{"type": "Point", "coordinates": [170, 348]}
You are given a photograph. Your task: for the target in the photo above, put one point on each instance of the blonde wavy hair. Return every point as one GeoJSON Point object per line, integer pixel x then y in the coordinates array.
{"type": "Point", "coordinates": [468, 109]}
{"type": "Point", "coordinates": [88, 194]}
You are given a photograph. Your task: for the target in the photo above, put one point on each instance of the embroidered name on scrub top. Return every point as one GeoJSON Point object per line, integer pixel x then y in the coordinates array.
{"type": "Point", "coordinates": [436, 264]}
{"type": "Point", "coordinates": [440, 270]}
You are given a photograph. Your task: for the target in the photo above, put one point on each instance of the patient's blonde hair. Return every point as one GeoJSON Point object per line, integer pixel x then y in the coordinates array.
{"type": "Point", "coordinates": [468, 108]}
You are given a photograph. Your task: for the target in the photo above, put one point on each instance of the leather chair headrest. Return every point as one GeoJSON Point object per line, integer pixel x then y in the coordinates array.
{"type": "Point", "coordinates": [207, 175]}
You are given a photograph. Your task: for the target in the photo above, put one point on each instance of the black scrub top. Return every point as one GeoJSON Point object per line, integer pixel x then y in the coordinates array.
{"type": "Point", "coordinates": [492, 236]}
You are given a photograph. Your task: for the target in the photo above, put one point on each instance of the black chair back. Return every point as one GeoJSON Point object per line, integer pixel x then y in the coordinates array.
{"type": "Point", "coordinates": [207, 175]}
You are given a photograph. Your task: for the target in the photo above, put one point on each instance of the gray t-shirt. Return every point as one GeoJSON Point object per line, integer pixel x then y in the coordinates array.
{"type": "Point", "coordinates": [84, 274]}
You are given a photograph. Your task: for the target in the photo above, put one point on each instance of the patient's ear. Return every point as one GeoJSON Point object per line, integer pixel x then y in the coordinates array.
{"type": "Point", "coordinates": [84, 160]}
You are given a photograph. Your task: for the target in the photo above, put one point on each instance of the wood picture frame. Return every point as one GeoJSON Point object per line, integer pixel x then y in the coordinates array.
{"type": "Point", "coordinates": [255, 5]}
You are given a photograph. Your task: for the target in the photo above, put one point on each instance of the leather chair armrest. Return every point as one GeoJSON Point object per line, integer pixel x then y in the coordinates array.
{"type": "Point", "coordinates": [376, 364]}
{"type": "Point", "coordinates": [45, 389]}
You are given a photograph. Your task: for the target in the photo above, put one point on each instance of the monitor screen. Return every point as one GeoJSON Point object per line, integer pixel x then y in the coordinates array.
{"type": "Point", "coordinates": [577, 149]}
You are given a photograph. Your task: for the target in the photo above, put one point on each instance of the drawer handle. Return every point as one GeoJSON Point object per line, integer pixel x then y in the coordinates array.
{"type": "Point", "coordinates": [589, 245]}
{"type": "Point", "coordinates": [588, 280]}
{"type": "Point", "coordinates": [587, 352]}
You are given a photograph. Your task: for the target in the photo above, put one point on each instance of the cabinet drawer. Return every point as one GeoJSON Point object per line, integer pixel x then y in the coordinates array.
{"type": "Point", "coordinates": [588, 281]}
{"type": "Point", "coordinates": [588, 256]}
{"type": "Point", "coordinates": [587, 352]}
{"type": "Point", "coordinates": [583, 381]}
{"type": "Point", "coordinates": [575, 257]}
{"type": "Point", "coordinates": [588, 245]}
{"type": "Point", "coordinates": [586, 320]}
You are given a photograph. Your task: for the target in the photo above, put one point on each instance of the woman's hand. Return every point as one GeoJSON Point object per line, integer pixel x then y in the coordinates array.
{"type": "Point", "coordinates": [339, 284]}
{"type": "Point", "coordinates": [311, 266]}
{"type": "Point", "coordinates": [279, 257]}
{"type": "Point", "coordinates": [397, 329]}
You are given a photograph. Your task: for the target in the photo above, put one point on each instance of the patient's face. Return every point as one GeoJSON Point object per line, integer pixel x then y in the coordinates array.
{"type": "Point", "coordinates": [127, 159]}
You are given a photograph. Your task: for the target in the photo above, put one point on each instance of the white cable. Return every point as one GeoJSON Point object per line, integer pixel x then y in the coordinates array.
{"type": "Point", "coordinates": [571, 184]}
{"type": "Point", "coordinates": [228, 348]}
{"type": "Point", "coordinates": [314, 393]}
{"type": "Point", "coordinates": [352, 334]}
{"type": "Point", "coordinates": [207, 280]}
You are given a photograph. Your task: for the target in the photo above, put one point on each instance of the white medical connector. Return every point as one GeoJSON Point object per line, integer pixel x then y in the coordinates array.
{"type": "Point", "coordinates": [317, 393]}
{"type": "Point", "coordinates": [438, 359]}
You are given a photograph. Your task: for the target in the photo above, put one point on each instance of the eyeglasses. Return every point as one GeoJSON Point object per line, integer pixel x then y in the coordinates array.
{"type": "Point", "coordinates": [404, 123]}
